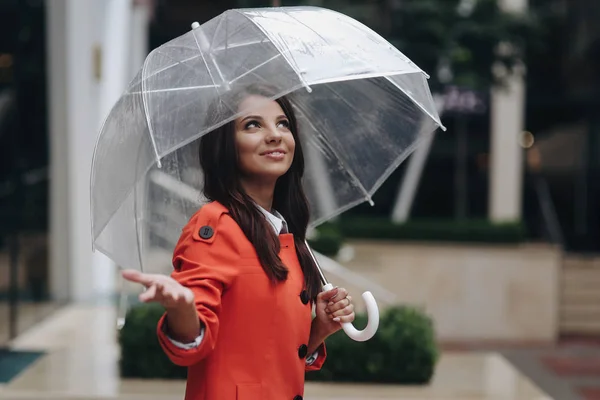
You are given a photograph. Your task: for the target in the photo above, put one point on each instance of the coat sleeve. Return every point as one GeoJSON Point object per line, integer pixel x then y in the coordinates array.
{"type": "Point", "coordinates": [317, 364]}
{"type": "Point", "coordinates": [207, 266]}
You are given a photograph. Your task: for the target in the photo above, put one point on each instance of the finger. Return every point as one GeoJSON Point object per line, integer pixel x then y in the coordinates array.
{"type": "Point", "coordinates": [326, 296]}
{"type": "Point", "coordinates": [138, 277]}
{"type": "Point", "coordinates": [338, 305]}
{"type": "Point", "coordinates": [165, 291]}
{"type": "Point", "coordinates": [341, 294]}
{"type": "Point", "coordinates": [173, 294]}
{"type": "Point", "coordinates": [176, 295]}
{"type": "Point", "coordinates": [344, 311]}
{"type": "Point", "coordinates": [148, 295]}
{"type": "Point", "coordinates": [189, 297]}
{"type": "Point", "coordinates": [345, 318]}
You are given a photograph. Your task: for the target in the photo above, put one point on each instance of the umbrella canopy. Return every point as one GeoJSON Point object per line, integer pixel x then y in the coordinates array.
{"type": "Point", "coordinates": [362, 108]}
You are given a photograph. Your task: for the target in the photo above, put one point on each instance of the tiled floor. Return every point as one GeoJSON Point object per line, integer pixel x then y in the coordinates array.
{"type": "Point", "coordinates": [28, 315]}
{"type": "Point", "coordinates": [82, 364]}
{"type": "Point", "coordinates": [31, 259]}
{"type": "Point", "coordinates": [570, 370]}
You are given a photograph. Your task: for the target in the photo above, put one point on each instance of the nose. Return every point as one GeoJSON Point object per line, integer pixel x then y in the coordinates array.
{"type": "Point", "coordinates": [273, 135]}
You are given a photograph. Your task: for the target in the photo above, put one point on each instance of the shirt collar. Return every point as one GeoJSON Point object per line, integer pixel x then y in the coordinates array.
{"type": "Point", "coordinates": [276, 220]}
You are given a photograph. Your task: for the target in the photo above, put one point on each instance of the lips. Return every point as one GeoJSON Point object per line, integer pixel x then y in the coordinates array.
{"type": "Point", "coordinates": [275, 152]}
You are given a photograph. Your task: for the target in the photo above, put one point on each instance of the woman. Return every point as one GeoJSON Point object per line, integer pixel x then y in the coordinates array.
{"type": "Point", "coordinates": [239, 301]}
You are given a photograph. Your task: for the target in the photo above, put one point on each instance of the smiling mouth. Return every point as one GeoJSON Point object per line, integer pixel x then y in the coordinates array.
{"type": "Point", "coordinates": [275, 153]}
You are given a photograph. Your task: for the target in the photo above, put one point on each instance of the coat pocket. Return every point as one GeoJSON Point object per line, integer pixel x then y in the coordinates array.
{"type": "Point", "coordinates": [249, 391]}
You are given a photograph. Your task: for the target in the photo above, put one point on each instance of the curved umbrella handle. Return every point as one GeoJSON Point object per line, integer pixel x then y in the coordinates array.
{"type": "Point", "coordinates": [372, 315]}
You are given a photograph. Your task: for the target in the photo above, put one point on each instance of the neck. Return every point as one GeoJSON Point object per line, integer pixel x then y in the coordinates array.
{"type": "Point", "coordinates": [262, 194]}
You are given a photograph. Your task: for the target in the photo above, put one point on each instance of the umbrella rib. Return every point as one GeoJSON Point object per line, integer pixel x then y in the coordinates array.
{"type": "Point", "coordinates": [228, 46]}
{"type": "Point", "coordinates": [212, 40]}
{"type": "Point", "coordinates": [147, 114]}
{"type": "Point", "coordinates": [176, 63]}
{"type": "Point", "coordinates": [174, 89]}
{"type": "Point", "coordinates": [233, 46]}
{"type": "Point", "coordinates": [282, 51]}
{"type": "Point", "coordinates": [360, 60]}
{"type": "Point", "coordinates": [135, 212]}
{"type": "Point", "coordinates": [145, 100]}
{"type": "Point", "coordinates": [192, 69]}
{"type": "Point", "coordinates": [324, 40]}
{"type": "Point", "coordinates": [418, 104]}
{"type": "Point", "coordinates": [308, 27]}
{"type": "Point", "coordinates": [255, 68]}
{"type": "Point", "coordinates": [204, 60]}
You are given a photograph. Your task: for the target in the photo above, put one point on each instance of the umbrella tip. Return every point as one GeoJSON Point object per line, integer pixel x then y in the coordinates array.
{"type": "Point", "coordinates": [195, 25]}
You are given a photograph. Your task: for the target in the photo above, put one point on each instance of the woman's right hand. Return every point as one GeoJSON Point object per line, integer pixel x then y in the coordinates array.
{"type": "Point", "coordinates": [161, 289]}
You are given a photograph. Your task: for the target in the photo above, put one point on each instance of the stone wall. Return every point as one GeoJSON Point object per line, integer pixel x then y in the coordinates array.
{"type": "Point", "coordinates": [473, 292]}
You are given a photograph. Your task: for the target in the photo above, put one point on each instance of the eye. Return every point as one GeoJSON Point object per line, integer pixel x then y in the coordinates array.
{"type": "Point", "coordinates": [284, 123]}
{"type": "Point", "coordinates": [251, 125]}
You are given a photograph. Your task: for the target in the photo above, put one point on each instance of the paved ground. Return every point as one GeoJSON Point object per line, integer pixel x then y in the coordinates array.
{"type": "Point", "coordinates": [569, 371]}
{"type": "Point", "coordinates": [81, 363]}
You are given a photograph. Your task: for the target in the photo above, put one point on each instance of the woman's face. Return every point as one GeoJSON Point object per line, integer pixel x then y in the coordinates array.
{"type": "Point", "coordinates": [264, 141]}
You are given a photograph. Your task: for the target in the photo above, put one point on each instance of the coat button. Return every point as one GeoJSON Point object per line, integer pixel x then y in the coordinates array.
{"type": "Point", "coordinates": [304, 297]}
{"type": "Point", "coordinates": [206, 232]}
{"type": "Point", "coordinates": [298, 397]}
{"type": "Point", "coordinates": [302, 351]}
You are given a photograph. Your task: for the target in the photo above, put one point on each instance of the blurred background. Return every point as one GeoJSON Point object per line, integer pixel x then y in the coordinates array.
{"type": "Point", "coordinates": [492, 227]}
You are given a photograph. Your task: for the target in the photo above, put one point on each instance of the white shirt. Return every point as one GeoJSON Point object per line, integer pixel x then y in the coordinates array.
{"type": "Point", "coordinates": [279, 226]}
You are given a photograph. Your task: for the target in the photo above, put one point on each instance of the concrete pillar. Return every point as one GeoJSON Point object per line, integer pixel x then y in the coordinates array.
{"type": "Point", "coordinates": [114, 77]}
{"type": "Point", "coordinates": [78, 102]}
{"type": "Point", "coordinates": [506, 160]}
{"type": "Point", "coordinates": [57, 119]}
{"type": "Point", "coordinates": [72, 128]}
{"type": "Point", "coordinates": [140, 31]}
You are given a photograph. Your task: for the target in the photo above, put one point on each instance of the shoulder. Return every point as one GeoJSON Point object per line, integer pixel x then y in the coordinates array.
{"type": "Point", "coordinates": [207, 222]}
{"type": "Point", "coordinates": [211, 231]}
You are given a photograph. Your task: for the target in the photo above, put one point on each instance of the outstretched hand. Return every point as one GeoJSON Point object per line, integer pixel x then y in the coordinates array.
{"type": "Point", "coordinates": [161, 289]}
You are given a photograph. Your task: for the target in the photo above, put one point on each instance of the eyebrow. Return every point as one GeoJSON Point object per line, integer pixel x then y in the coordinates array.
{"type": "Point", "coordinates": [251, 117]}
{"type": "Point", "coordinates": [261, 118]}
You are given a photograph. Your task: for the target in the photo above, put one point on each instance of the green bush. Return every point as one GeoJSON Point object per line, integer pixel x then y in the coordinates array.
{"type": "Point", "coordinates": [141, 354]}
{"type": "Point", "coordinates": [476, 231]}
{"type": "Point", "coordinates": [403, 350]}
{"type": "Point", "coordinates": [328, 240]}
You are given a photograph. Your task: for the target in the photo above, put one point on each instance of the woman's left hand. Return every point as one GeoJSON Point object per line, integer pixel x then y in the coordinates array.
{"type": "Point", "coordinates": [332, 308]}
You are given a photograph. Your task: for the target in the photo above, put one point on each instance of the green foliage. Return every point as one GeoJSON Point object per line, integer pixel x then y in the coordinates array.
{"type": "Point", "coordinates": [476, 231]}
{"type": "Point", "coordinates": [331, 236]}
{"type": "Point", "coordinates": [467, 42]}
{"type": "Point", "coordinates": [328, 240]}
{"type": "Point", "coordinates": [141, 354]}
{"type": "Point", "coordinates": [403, 350]}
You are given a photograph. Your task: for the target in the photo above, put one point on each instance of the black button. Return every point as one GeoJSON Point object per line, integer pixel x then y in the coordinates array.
{"type": "Point", "coordinates": [303, 351]}
{"type": "Point", "coordinates": [206, 232]}
{"type": "Point", "coordinates": [298, 397]}
{"type": "Point", "coordinates": [304, 297]}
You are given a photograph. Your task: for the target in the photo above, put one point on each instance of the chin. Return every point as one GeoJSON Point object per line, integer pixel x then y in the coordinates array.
{"type": "Point", "coordinates": [271, 174]}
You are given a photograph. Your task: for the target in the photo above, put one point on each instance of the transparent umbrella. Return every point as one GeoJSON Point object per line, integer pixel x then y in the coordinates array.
{"type": "Point", "coordinates": [362, 108]}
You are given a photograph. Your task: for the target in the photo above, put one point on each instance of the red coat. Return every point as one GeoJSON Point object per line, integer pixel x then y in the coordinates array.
{"type": "Point", "coordinates": [254, 344]}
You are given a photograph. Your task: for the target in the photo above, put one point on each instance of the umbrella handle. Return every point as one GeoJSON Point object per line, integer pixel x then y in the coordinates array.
{"type": "Point", "coordinates": [372, 315]}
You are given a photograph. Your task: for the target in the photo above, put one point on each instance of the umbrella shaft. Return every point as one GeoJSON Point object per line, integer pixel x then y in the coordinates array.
{"type": "Point", "coordinates": [323, 279]}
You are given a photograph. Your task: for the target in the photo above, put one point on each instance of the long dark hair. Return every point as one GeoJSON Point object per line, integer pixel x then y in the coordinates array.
{"type": "Point", "coordinates": [219, 161]}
